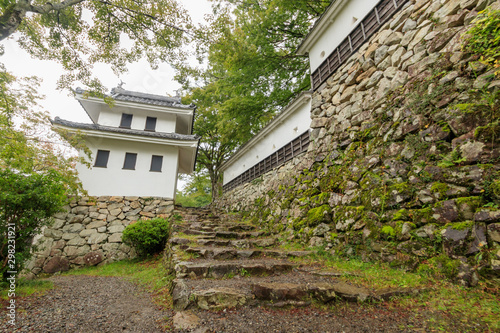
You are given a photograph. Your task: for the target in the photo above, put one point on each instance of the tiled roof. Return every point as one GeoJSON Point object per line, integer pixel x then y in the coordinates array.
{"type": "Point", "coordinates": [96, 127]}
{"type": "Point", "coordinates": [120, 94]}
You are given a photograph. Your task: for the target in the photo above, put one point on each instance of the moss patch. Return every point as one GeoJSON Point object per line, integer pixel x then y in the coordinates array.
{"type": "Point", "coordinates": [318, 215]}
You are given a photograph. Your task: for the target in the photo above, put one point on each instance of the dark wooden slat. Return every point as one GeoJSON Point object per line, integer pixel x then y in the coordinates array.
{"type": "Point", "coordinates": [381, 13]}
{"type": "Point", "coordinates": [278, 158]}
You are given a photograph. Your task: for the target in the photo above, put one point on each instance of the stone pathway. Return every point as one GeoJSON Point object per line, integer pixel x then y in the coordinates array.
{"type": "Point", "coordinates": [221, 263]}
{"type": "Point", "coordinates": [89, 304]}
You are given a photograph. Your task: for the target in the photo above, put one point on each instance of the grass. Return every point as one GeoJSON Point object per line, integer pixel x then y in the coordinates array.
{"type": "Point", "coordinates": [183, 235]}
{"type": "Point", "coordinates": [26, 288]}
{"type": "Point", "coordinates": [186, 256]}
{"type": "Point", "coordinates": [148, 273]}
{"type": "Point", "coordinates": [441, 302]}
{"type": "Point", "coordinates": [291, 246]}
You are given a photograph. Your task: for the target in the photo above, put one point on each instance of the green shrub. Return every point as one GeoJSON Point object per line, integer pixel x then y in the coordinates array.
{"type": "Point", "coordinates": [147, 236]}
{"type": "Point", "coordinates": [27, 202]}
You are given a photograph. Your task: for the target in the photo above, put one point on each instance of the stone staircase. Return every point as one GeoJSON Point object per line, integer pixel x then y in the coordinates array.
{"type": "Point", "coordinates": [220, 262]}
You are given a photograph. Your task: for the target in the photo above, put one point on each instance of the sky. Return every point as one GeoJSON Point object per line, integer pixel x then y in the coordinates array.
{"type": "Point", "coordinates": [140, 76]}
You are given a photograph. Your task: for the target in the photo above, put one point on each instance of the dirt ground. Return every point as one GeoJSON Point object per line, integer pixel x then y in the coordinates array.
{"type": "Point", "coordinates": [110, 304]}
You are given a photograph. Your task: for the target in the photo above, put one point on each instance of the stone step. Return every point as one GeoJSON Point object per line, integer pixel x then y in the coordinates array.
{"type": "Point", "coordinates": [291, 289]}
{"type": "Point", "coordinates": [235, 227]}
{"type": "Point", "coordinates": [239, 235]}
{"type": "Point", "coordinates": [229, 226]}
{"type": "Point", "coordinates": [212, 241]}
{"type": "Point", "coordinates": [212, 298]}
{"type": "Point", "coordinates": [230, 268]}
{"type": "Point", "coordinates": [232, 253]}
{"type": "Point", "coordinates": [198, 232]}
{"type": "Point", "coordinates": [213, 227]}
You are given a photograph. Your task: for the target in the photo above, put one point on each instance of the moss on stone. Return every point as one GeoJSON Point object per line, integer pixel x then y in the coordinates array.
{"type": "Point", "coordinates": [318, 215]}
{"type": "Point", "coordinates": [440, 188]}
{"type": "Point", "coordinates": [320, 199]}
{"type": "Point", "coordinates": [461, 225]}
{"type": "Point", "coordinates": [422, 216]}
{"type": "Point", "coordinates": [473, 202]}
{"type": "Point", "coordinates": [402, 214]}
{"type": "Point", "coordinates": [489, 132]}
{"type": "Point", "coordinates": [445, 265]}
{"type": "Point", "coordinates": [388, 231]}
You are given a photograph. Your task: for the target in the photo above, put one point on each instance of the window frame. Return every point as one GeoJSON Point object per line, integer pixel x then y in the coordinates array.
{"type": "Point", "coordinates": [99, 158]}
{"type": "Point", "coordinates": [126, 117]}
{"type": "Point", "coordinates": [161, 163]}
{"type": "Point", "coordinates": [154, 127]}
{"type": "Point", "coordinates": [126, 159]}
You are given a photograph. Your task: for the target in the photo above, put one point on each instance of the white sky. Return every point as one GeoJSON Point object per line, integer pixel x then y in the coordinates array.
{"type": "Point", "coordinates": [140, 76]}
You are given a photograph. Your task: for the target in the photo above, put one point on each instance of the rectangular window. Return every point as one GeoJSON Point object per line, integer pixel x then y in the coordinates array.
{"type": "Point", "coordinates": [130, 159]}
{"type": "Point", "coordinates": [156, 163]}
{"type": "Point", "coordinates": [150, 124]}
{"type": "Point", "coordinates": [126, 120]}
{"type": "Point", "coordinates": [101, 160]}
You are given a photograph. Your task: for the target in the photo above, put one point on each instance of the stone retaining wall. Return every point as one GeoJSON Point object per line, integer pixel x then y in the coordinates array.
{"type": "Point", "coordinates": [404, 160]}
{"type": "Point", "coordinates": [89, 232]}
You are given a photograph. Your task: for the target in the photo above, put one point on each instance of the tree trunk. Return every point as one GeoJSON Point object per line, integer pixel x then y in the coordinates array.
{"type": "Point", "coordinates": [10, 20]}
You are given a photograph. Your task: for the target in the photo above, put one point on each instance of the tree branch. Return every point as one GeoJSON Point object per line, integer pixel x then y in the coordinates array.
{"type": "Point", "coordinates": [48, 7]}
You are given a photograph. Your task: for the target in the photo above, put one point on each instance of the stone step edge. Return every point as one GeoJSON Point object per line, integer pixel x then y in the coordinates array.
{"type": "Point", "coordinates": [261, 242]}
{"type": "Point", "coordinates": [220, 269]}
{"type": "Point", "coordinates": [221, 253]}
{"type": "Point", "coordinates": [278, 295]}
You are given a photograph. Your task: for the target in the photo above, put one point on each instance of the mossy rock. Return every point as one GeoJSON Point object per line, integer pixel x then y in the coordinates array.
{"type": "Point", "coordinates": [493, 190]}
{"type": "Point", "coordinates": [320, 199]}
{"type": "Point", "coordinates": [440, 188]}
{"type": "Point", "coordinates": [318, 215]}
{"type": "Point", "coordinates": [489, 132]}
{"type": "Point", "coordinates": [443, 265]}
{"type": "Point", "coordinates": [422, 216]}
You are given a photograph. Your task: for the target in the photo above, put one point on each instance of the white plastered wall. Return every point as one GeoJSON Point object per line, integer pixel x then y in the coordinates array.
{"type": "Point", "coordinates": [343, 23]}
{"type": "Point", "coordinates": [114, 180]}
{"type": "Point", "coordinates": [112, 117]}
{"type": "Point", "coordinates": [290, 128]}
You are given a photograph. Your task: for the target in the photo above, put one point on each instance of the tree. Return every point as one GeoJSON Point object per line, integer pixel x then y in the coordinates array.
{"type": "Point", "coordinates": [252, 71]}
{"type": "Point", "coordinates": [35, 174]}
{"type": "Point", "coordinates": [80, 33]}
{"type": "Point", "coordinates": [197, 192]}
{"type": "Point", "coordinates": [27, 203]}
{"type": "Point", "coordinates": [26, 142]}
{"type": "Point", "coordinates": [219, 137]}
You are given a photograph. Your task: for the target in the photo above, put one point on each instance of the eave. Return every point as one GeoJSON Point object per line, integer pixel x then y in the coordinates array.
{"type": "Point", "coordinates": [320, 26]}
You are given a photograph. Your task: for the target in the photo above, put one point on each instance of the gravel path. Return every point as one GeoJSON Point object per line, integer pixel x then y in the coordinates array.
{"type": "Point", "coordinates": [89, 304]}
{"type": "Point", "coordinates": [110, 304]}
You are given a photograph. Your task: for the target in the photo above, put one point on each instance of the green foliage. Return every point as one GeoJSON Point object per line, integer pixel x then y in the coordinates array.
{"type": "Point", "coordinates": [26, 142]}
{"type": "Point", "coordinates": [27, 202]}
{"type": "Point", "coordinates": [253, 71]}
{"type": "Point", "coordinates": [319, 214]}
{"type": "Point", "coordinates": [196, 192]}
{"type": "Point", "coordinates": [148, 273]}
{"type": "Point", "coordinates": [147, 236]}
{"type": "Point", "coordinates": [484, 37]}
{"type": "Point", "coordinates": [451, 159]}
{"type": "Point", "coordinates": [444, 265]}
{"type": "Point", "coordinates": [26, 288]}
{"type": "Point", "coordinates": [154, 30]}
{"type": "Point", "coordinates": [388, 230]}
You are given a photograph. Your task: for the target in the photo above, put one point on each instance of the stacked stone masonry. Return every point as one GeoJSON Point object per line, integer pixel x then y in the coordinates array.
{"type": "Point", "coordinates": [404, 160]}
{"type": "Point", "coordinates": [89, 232]}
